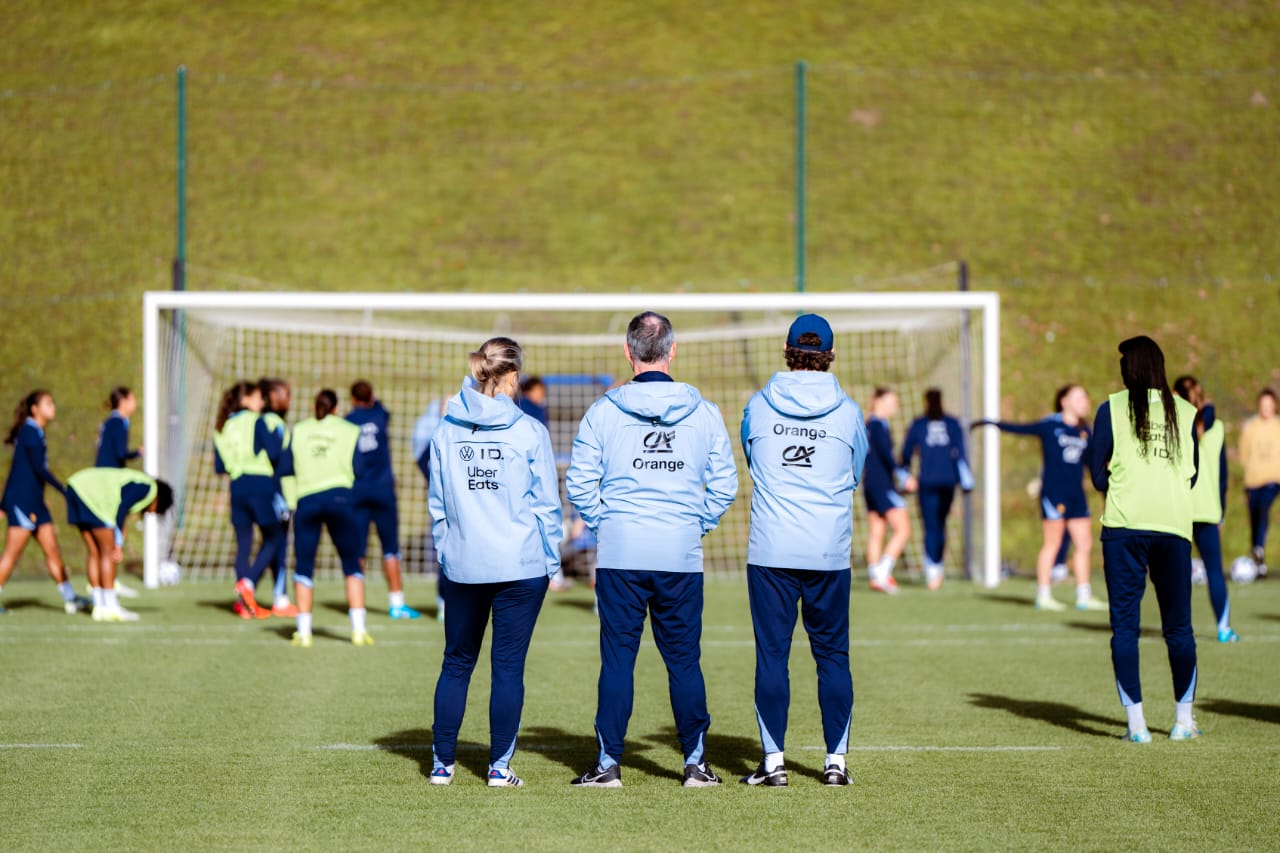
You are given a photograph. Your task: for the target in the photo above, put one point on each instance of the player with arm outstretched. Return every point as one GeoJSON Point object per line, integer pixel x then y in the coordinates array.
{"type": "Point", "coordinates": [99, 500]}
{"type": "Point", "coordinates": [886, 508]}
{"type": "Point", "coordinates": [247, 451]}
{"type": "Point", "coordinates": [943, 466]}
{"type": "Point", "coordinates": [1209, 500]}
{"type": "Point", "coordinates": [1064, 509]}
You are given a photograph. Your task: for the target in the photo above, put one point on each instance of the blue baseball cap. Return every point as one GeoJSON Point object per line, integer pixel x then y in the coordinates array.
{"type": "Point", "coordinates": [811, 324]}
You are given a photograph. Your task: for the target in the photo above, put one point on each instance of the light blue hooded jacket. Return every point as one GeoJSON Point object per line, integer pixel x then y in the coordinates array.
{"type": "Point", "coordinates": [806, 445]}
{"type": "Point", "coordinates": [652, 472]}
{"type": "Point", "coordinates": [494, 495]}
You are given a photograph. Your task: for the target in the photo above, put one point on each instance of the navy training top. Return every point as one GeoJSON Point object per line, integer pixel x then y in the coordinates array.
{"type": "Point", "coordinates": [113, 443]}
{"type": "Point", "coordinates": [878, 476]}
{"type": "Point", "coordinates": [942, 456]}
{"type": "Point", "coordinates": [1064, 450]}
{"type": "Point", "coordinates": [30, 470]}
{"type": "Point", "coordinates": [374, 444]}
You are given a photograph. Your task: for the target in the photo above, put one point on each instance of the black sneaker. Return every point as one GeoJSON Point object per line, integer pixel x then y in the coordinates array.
{"type": "Point", "coordinates": [700, 776]}
{"type": "Point", "coordinates": [834, 775]}
{"type": "Point", "coordinates": [600, 777]}
{"type": "Point", "coordinates": [775, 778]}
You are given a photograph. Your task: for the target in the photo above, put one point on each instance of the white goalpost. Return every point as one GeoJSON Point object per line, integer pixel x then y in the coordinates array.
{"type": "Point", "coordinates": [412, 347]}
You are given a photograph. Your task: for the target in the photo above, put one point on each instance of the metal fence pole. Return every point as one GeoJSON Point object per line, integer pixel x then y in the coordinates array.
{"type": "Point", "coordinates": [800, 176]}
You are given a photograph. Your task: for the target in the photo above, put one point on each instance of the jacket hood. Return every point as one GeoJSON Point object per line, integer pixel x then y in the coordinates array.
{"type": "Point", "coordinates": [473, 409]}
{"type": "Point", "coordinates": [657, 402]}
{"type": "Point", "coordinates": [803, 393]}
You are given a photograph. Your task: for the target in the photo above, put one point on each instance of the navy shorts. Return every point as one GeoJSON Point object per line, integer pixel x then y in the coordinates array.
{"type": "Point", "coordinates": [333, 510]}
{"type": "Point", "coordinates": [80, 515]}
{"type": "Point", "coordinates": [376, 505]}
{"type": "Point", "coordinates": [29, 517]}
{"type": "Point", "coordinates": [880, 501]}
{"type": "Point", "coordinates": [1064, 507]}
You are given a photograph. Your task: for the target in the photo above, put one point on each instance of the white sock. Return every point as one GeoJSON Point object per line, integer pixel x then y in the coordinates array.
{"type": "Point", "coordinates": [98, 598]}
{"type": "Point", "coordinates": [396, 598]}
{"type": "Point", "coordinates": [109, 599]}
{"type": "Point", "coordinates": [772, 761]}
{"type": "Point", "coordinates": [304, 624]}
{"type": "Point", "coordinates": [837, 760]}
{"type": "Point", "coordinates": [357, 620]}
{"type": "Point", "coordinates": [1137, 720]}
{"type": "Point", "coordinates": [68, 591]}
{"type": "Point", "coordinates": [282, 601]}
{"type": "Point", "coordinates": [1184, 715]}
{"type": "Point", "coordinates": [1084, 592]}
{"type": "Point", "coordinates": [1043, 592]}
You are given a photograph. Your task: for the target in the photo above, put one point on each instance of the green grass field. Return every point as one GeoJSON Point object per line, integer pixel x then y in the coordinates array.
{"type": "Point", "coordinates": [979, 723]}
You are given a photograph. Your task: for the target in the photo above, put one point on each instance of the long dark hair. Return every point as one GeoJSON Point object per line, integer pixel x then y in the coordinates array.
{"type": "Point", "coordinates": [326, 403]}
{"type": "Point", "coordinates": [1142, 369]}
{"type": "Point", "coordinates": [20, 414]}
{"type": "Point", "coordinates": [933, 404]}
{"type": "Point", "coordinates": [232, 402]}
{"type": "Point", "coordinates": [268, 385]}
{"type": "Point", "coordinates": [118, 395]}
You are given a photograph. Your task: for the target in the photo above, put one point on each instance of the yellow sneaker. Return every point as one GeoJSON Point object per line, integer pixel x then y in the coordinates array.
{"type": "Point", "coordinates": [1092, 603]}
{"type": "Point", "coordinates": [300, 640]}
{"type": "Point", "coordinates": [361, 638]}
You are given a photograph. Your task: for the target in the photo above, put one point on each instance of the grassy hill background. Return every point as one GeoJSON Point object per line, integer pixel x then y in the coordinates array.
{"type": "Point", "coordinates": [1108, 168]}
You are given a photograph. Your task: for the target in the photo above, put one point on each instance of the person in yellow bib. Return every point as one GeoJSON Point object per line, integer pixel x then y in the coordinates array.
{"type": "Point", "coordinates": [1144, 460]}
{"type": "Point", "coordinates": [324, 459]}
{"type": "Point", "coordinates": [98, 502]}
{"type": "Point", "coordinates": [1209, 500]}
{"type": "Point", "coordinates": [247, 451]}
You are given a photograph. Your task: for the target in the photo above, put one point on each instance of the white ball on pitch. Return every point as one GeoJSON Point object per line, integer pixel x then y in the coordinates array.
{"type": "Point", "coordinates": [170, 573]}
{"type": "Point", "coordinates": [1244, 570]}
{"type": "Point", "coordinates": [1198, 576]}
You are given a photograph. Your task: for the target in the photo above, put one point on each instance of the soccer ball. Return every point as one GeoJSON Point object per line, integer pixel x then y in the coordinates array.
{"type": "Point", "coordinates": [1244, 570]}
{"type": "Point", "coordinates": [170, 573]}
{"type": "Point", "coordinates": [1198, 576]}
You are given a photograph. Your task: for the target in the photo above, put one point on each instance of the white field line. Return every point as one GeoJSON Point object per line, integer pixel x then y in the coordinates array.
{"type": "Point", "coordinates": [543, 747]}
{"type": "Point", "coordinates": [905, 748]}
{"type": "Point", "coordinates": [41, 746]}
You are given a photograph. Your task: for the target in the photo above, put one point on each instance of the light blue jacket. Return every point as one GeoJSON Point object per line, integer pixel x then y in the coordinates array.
{"type": "Point", "coordinates": [806, 445]}
{"type": "Point", "coordinates": [494, 495]}
{"type": "Point", "coordinates": [652, 472]}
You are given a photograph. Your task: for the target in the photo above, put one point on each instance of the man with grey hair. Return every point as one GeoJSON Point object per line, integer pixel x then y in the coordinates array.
{"type": "Point", "coordinates": [652, 473]}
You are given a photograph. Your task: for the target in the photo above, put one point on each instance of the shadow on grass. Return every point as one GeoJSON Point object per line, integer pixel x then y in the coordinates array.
{"type": "Point", "coordinates": [1270, 617]}
{"type": "Point", "coordinates": [226, 605]}
{"type": "Point", "coordinates": [1105, 628]}
{"type": "Point", "coordinates": [415, 745]}
{"type": "Point", "coordinates": [1055, 713]}
{"type": "Point", "coordinates": [1248, 710]}
{"type": "Point", "coordinates": [30, 604]}
{"type": "Point", "coordinates": [580, 603]}
{"type": "Point", "coordinates": [731, 756]}
{"type": "Point", "coordinates": [999, 598]}
{"type": "Point", "coordinates": [286, 630]}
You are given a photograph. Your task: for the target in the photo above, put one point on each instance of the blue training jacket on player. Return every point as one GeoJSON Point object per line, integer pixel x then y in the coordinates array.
{"type": "Point", "coordinates": [652, 473]}
{"type": "Point", "coordinates": [494, 494]}
{"type": "Point", "coordinates": [806, 445]}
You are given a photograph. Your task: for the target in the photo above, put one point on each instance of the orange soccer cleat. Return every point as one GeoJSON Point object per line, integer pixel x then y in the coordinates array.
{"type": "Point", "coordinates": [284, 608]}
{"type": "Point", "coordinates": [248, 607]}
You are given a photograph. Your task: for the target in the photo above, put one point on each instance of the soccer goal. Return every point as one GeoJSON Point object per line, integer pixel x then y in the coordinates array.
{"type": "Point", "coordinates": [413, 349]}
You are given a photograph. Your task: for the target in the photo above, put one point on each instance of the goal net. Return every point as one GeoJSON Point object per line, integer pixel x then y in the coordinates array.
{"type": "Point", "coordinates": [413, 349]}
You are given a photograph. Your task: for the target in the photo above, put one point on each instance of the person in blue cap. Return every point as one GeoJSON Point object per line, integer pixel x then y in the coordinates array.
{"type": "Point", "coordinates": [806, 445]}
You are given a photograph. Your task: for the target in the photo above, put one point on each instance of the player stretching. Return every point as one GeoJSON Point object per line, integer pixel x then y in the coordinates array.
{"type": "Point", "coordinates": [1209, 500]}
{"type": "Point", "coordinates": [942, 467]}
{"type": "Point", "coordinates": [376, 492]}
{"type": "Point", "coordinates": [113, 435]}
{"type": "Point", "coordinates": [247, 451]}
{"type": "Point", "coordinates": [652, 473]}
{"type": "Point", "coordinates": [805, 445]}
{"type": "Point", "coordinates": [1064, 446]}
{"type": "Point", "coordinates": [885, 507]}
{"type": "Point", "coordinates": [23, 499]}
{"type": "Point", "coordinates": [1144, 460]}
{"type": "Point", "coordinates": [324, 461]}
{"type": "Point", "coordinates": [495, 510]}
{"type": "Point", "coordinates": [1260, 456]}
{"type": "Point", "coordinates": [98, 502]}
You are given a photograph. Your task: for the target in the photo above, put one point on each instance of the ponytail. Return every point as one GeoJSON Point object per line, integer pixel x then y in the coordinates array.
{"type": "Point", "coordinates": [326, 403]}
{"type": "Point", "coordinates": [118, 395]}
{"type": "Point", "coordinates": [232, 402]}
{"type": "Point", "coordinates": [23, 411]}
{"type": "Point", "coordinates": [496, 358]}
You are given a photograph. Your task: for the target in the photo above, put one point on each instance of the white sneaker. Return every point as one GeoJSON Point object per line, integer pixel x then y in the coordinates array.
{"type": "Point", "coordinates": [933, 576]}
{"type": "Point", "coordinates": [114, 614]}
{"type": "Point", "coordinates": [442, 775]}
{"type": "Point", "coordinates": [1052, 605]}
{"type": "Point", "coordinates": [504, 779]}
{"type": "Point", "coordinates": [125, 591]}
